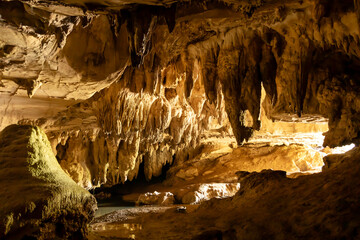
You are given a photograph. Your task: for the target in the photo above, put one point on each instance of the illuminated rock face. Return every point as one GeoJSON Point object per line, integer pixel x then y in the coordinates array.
{"type": "Point", "coordinates": [219, 164]}
{"type": "Point", "coordinates": [156, 198]}
{"type": "Point", "coordinates": [38, 200]}
{"type": "Point", "coordinates": [271, 206]}
{"type": "Point", "coordinates": [204, 192]}
{"type": "Point", "coordinates": [150, 78]}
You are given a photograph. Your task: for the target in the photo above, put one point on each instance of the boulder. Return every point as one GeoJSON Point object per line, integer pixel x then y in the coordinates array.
{"type": "Point", "coordinates": [203, 192]}
{"type": "Point", "coordinates": [38, 199]}
{"type": "Point", "coordinates": [156, 198]}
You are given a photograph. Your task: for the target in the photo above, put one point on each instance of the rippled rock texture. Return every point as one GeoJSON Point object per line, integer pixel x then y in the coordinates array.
{"type": "Point", "coordinates": [38, 200]}
{"type": "Point", "coordinates": [150, 77]}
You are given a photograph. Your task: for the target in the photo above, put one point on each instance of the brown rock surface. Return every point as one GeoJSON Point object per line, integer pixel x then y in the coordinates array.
{"type": "Point", "coordinates": [153, 83]}
{"type": "Point", "coordinates": [271, 206]}
{"type": "Point", "coordinates": [219, 163]}
{"type": "Point", "coordinates": [118, 85]}
{"type": "Point", "coordinates": [212, 169]}
{"type": "Point", "coordinates": [38, 200]}
{"type": "Point", "coordinates": [156, 198]}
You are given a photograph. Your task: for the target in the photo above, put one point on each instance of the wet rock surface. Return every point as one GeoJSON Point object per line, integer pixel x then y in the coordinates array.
{"type": "Point", "coordinates": [38, 199]}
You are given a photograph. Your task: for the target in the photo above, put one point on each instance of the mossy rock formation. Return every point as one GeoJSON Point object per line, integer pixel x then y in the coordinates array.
{"type": "Point", "coordinates": [38, 200]}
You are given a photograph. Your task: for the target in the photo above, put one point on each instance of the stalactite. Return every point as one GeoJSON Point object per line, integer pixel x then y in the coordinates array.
{"type": "Point", "coordinates": [162, 79]}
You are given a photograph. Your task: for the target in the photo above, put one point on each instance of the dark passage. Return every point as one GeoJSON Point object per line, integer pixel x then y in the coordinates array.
{"type": "Point", "coordinates": [138, 185]}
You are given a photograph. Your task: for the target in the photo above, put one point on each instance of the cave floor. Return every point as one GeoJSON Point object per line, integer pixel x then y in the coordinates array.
{"type": "Point", "coordinates": [126, 224]}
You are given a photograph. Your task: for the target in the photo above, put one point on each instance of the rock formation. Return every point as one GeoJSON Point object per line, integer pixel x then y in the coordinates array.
{"type": "Point", "coordinates": [38, 200]}
{"type": "Point", "coordinates": [147, 87]}
{"type": "Point", "coordinates": [117, 85]}
{"type": "Point", "coordinates": [271, 206]}
{"type": "Point", "coordinates": [156, 198]}
{"type": "Point", "coordinates": [216, 163]}
{"type": "Point", "coordinates": [155, 83]}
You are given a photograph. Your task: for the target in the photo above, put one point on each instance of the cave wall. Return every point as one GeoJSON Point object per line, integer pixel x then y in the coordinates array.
{"type": "Point", "coordinates": [151, 77]}
{"type": "Point", "coordinates": [135, 127]}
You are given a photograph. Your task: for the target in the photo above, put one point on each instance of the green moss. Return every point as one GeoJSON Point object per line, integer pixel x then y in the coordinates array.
{"type": "Point", "coordinates": [33, 186]}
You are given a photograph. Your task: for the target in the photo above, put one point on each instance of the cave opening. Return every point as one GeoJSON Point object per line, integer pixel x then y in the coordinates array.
{"type": "Point", "coordinates": [61, 151]}
{"type": "Point", "coordinates": [125, 195]}
{"type": "Point", "coordinates": [130, 189]}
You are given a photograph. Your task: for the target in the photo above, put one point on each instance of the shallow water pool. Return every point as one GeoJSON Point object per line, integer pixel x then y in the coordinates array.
{"type": "Point", "coordinates": [111, 205]}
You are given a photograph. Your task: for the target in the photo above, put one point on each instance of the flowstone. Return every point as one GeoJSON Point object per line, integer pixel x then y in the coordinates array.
{"type": "Point", "coordinates": [38, 199]}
